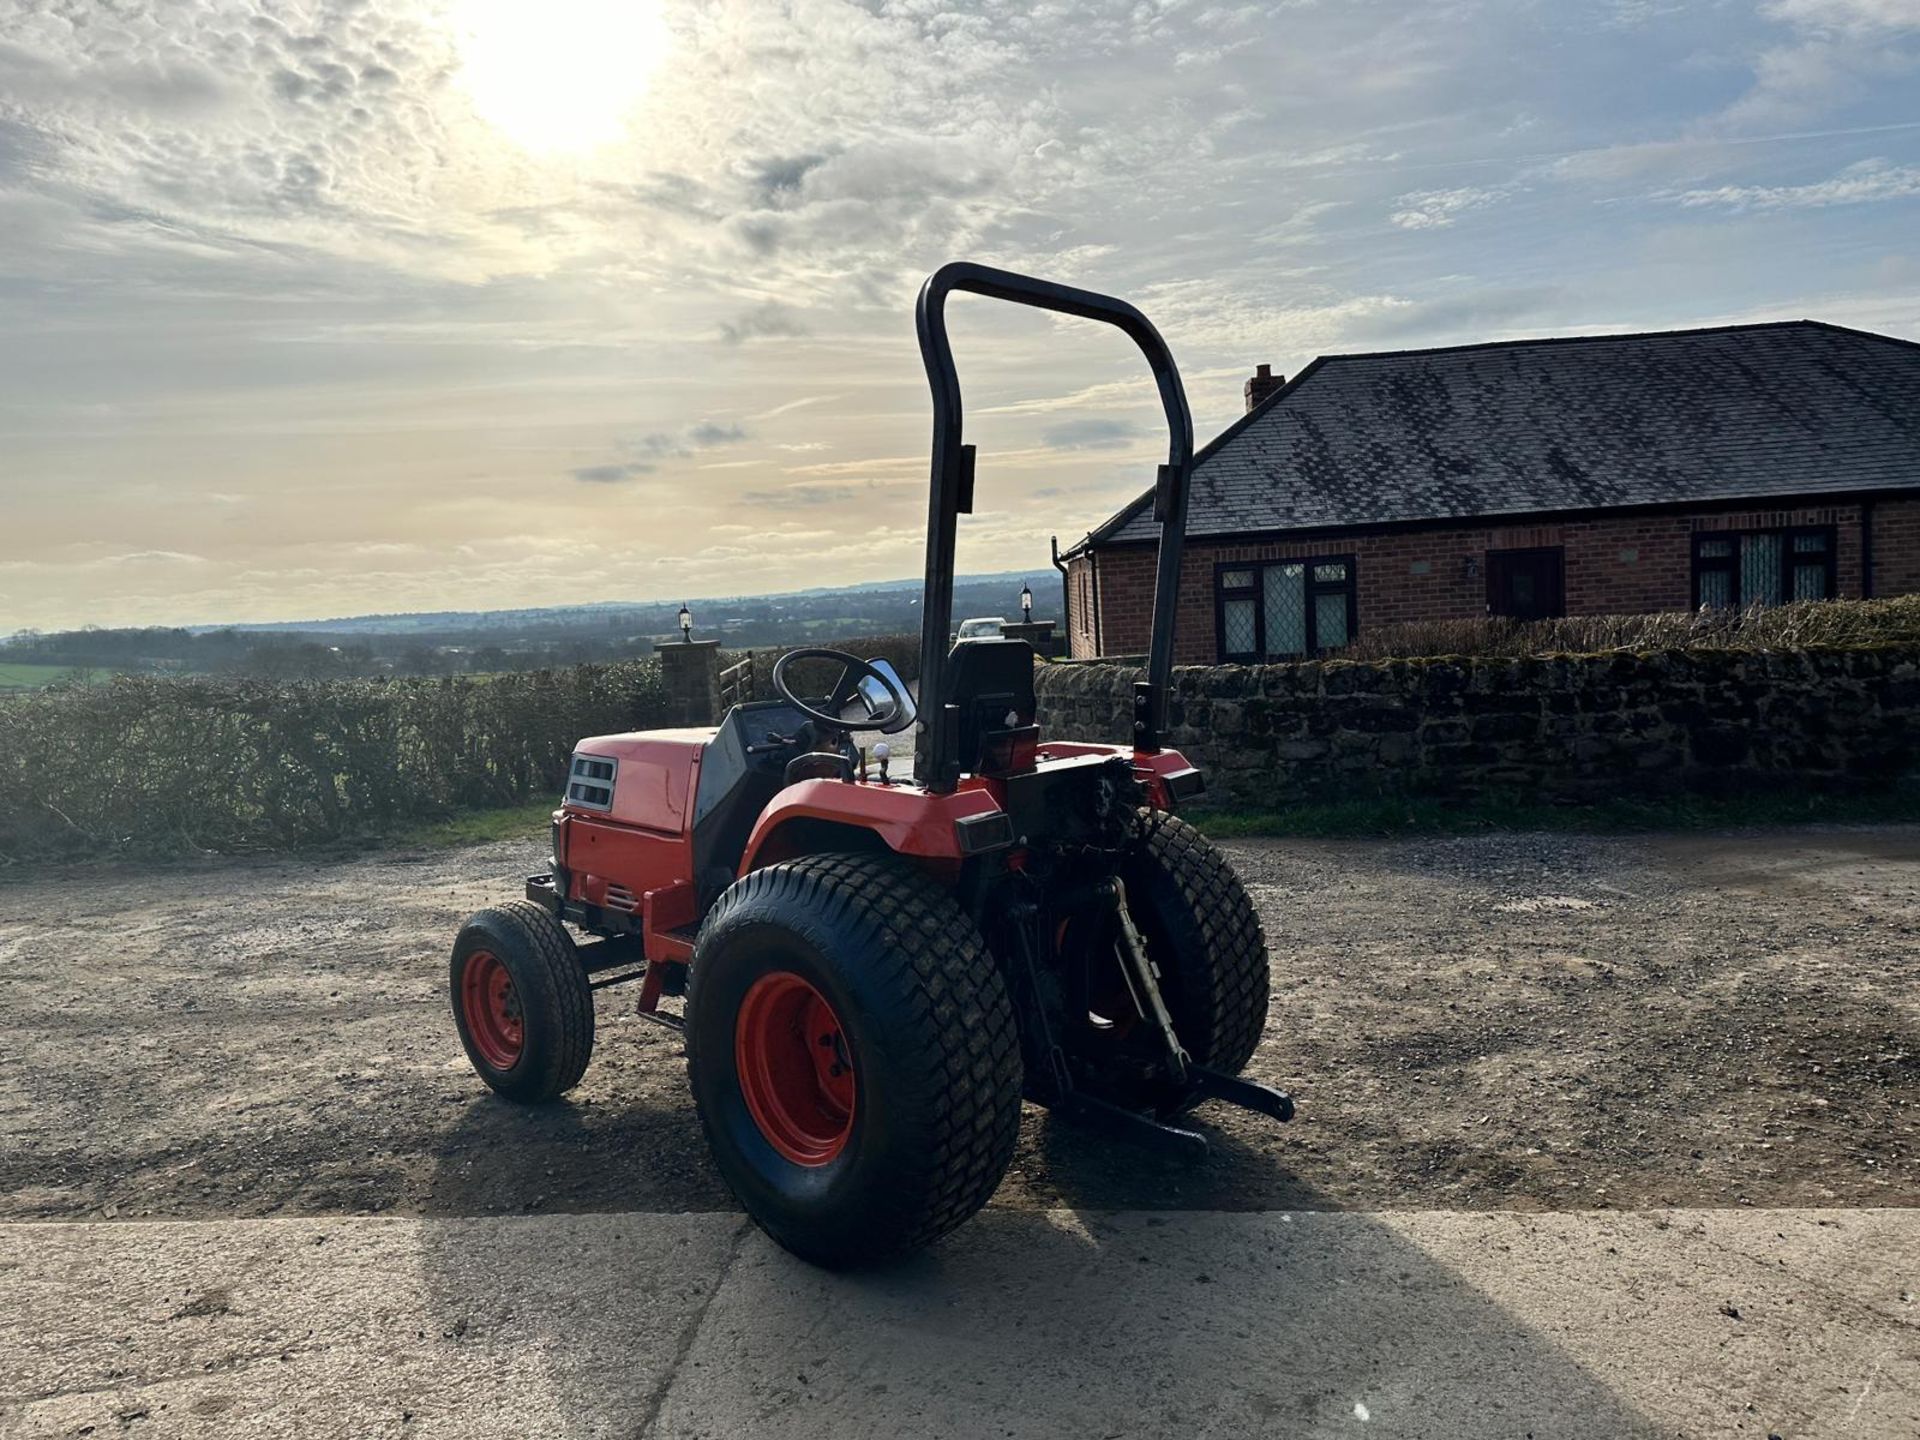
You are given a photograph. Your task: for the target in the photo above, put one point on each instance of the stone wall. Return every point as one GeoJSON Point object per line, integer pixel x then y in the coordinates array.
{"type": "Point", "coordinates": [1576, 727]}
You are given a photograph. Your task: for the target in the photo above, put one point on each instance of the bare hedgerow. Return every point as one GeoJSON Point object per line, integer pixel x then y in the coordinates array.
{"type": "Point", "coordinates": [1759, 627]}
{"type": "Point", "coordinates": [173, 764]}
{"type": "Point", "coordinates": [902, 650]}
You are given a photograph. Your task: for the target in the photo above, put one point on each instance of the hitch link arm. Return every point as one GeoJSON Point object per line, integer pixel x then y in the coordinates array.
{"type": "Point", "coordinates": [1143, 981]}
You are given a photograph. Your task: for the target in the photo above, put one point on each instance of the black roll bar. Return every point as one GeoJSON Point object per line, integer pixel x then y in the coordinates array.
{"type": "Point", "coordinates": [935, 765]}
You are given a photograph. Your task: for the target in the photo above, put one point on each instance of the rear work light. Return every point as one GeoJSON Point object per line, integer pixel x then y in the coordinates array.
{"type": "Point", "coordinates": [980, 833]}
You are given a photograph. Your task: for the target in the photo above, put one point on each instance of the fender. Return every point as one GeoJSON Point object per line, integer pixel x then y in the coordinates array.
{"type": "Point", "coordinates": [1169, 777]}
{"type": "Point", "coordinates": [906, 818]}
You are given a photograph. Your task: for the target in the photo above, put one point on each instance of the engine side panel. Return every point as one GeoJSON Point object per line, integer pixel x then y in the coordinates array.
{"type": "Point", "coordinates": [654, 786]}
{"type": "Point", "coordinates": [615, 865]}
{"type": "Point", "coordinates": [640, 842]}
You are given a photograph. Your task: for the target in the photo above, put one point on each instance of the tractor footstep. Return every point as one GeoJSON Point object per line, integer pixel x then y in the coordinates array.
{"type": "Point", "coordinates": [1169, 1140]}
{"type": "Point", "coordinates": [1247, 1094]}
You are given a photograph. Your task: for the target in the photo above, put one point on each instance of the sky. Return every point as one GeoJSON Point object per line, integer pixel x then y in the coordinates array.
{"type": "Point", "coordinates": [337, 306]}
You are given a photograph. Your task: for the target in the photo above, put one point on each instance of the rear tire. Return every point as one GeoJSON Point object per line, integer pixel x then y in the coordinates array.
{"type": "Point", "coordinates": [1204, 935]}
{"type": "Point", "coordinates": [861, 1165]}
{"type": "Point", "coordinates": [521, 1002]}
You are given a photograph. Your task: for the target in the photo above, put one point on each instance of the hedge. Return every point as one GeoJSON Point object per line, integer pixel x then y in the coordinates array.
{"type": "Point", "coordinates": [1801, 626]}
{"type": "Point", "coordinates": [166, 765]}
{"type": "Point", "coordinates": [902, 650]}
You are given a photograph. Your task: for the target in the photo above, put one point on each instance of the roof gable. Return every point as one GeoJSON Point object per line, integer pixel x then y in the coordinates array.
{"type": "Point", "coordinates": [1592, 422]}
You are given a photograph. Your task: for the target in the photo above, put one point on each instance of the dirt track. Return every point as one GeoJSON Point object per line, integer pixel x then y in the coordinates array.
{"type": "Point", "coordinates": [1501, 1022]}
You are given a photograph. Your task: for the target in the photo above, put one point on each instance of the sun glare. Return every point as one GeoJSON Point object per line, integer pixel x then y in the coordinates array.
{"type": "Point", "coordinates": [559, 76]}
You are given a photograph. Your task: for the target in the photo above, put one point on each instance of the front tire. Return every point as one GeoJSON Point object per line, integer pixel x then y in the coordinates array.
{"type": "Point", "coordinates": [522, 1002]}
{"type": "Point", "coordinates": [853, 1054]}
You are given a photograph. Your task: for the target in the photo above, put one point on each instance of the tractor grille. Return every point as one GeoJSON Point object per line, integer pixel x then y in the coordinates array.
{"type": "Point", "coordinates": [590, 782]}
{"type": "Point", "coordinates": [619, 897]}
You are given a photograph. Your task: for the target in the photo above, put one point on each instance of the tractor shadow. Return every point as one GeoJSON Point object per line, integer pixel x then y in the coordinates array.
{"type": "Point", "coordinates": [1021, 1324]}
{"type": "Point", "coordinates": [1060, 1164]}
{"type": "Point", "coordinates": [1132, 1304]}
{"type": "Point", "coordinates": [592, 1152]}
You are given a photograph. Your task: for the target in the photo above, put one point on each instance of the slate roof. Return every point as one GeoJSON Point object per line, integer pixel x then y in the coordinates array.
{"type": "Point", "coordinates": [1520, 427]}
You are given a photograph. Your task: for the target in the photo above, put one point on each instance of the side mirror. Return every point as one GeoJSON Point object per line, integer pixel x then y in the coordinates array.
{"type": "Point", "coordinates": [876, 699]}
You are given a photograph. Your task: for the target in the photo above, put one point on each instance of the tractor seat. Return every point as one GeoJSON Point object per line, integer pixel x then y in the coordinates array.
{"type": "Point", "coordinates": [819, 765]}
{"type": "Point", "coordinates": [991, 685]}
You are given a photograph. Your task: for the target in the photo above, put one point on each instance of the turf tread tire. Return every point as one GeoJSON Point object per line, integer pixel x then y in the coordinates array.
{"type": "Point", "coordinates": [956, 1069]}
{"type": "Point", "coordinates": [555, 995]}
{"type": "Point", "coordinates": [1212, 952]}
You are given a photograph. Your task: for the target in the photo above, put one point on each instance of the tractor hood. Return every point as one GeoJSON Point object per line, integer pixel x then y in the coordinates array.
{"type": "Point", "coordinates": [643, 778]}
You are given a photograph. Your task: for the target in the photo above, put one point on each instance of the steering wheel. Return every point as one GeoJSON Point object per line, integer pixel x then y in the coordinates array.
{"type": "Point", "coordinates": [886, 717]}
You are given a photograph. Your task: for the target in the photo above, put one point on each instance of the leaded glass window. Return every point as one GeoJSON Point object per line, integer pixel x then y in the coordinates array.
{"type": "Point", "coordinates": [1285, 587]}
{"type": "Point", "coordinates": [1284, 608]}
{"type": "Point", "coordinates": [1810, 582]}
{"type": "Point", "coordinates": [1236, 628]}
{"type": "Point", "coordinates": [1330, 624]}
{"type": "Point", "coordinates": [1762, 567]}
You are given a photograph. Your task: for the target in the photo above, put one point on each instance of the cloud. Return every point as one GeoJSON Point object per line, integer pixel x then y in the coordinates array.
{"type": "Point", "coordinates": [1484, 312]}
{"type": "Point", "coordinates": [1865, 182]}
{"type": "Point", "coordinates": [612, 474]}
{"type": "Point", "coordinates": [764, 322]}
{"type": "Point", "coordinates": [1092, 433]}
{"type": "Point", "coordinates": [646, 453]}
{"type": "Point", "coordinates": [1086, 397]}
{"type": "Point", "coordinates": [1847, 17]}
{"type": "Point", "coordinates": [153, 557]}
{"type": "Point", "coordinates": [777, 179]}
{"type": "Point", "coordinates": [1434, 209]}
{"type": "Point", "coordinates": [802, 495]}
{"type": "Point", "coordinates": [1841, 50]}
{"type": "Point", "coordinates": [788, 407]}
{"type": "Point", "coordinates": [278, 252]}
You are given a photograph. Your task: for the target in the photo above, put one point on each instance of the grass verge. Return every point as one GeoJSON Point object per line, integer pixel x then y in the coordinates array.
{"type": "Point", "coordinates": [1363, 819]}
{"type": "Point", "coordinates": [1356, 819]}
{"type": "Point", "coordinates": [478, 827]}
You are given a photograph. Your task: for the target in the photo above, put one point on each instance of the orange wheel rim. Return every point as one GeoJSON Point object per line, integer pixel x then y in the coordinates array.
{"type": "Point", "coordinates": [795, 1068]}
{"type": "Point", "coordinates": [492, 1009]}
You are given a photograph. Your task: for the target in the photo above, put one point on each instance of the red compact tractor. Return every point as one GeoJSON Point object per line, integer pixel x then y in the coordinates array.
{"type": "Point", "coordinates": [875, 969]}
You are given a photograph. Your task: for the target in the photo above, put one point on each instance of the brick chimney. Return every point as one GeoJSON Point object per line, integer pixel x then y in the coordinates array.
{"type": "Point", "coordinates": [1263, 384]}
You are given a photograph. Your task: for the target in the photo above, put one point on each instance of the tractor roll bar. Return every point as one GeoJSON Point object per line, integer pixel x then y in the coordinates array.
{"type": "Point", "coordinates": [935, 766]}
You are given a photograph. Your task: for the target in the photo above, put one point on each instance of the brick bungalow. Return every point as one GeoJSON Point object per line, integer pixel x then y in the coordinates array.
{"type": "Point", "coordinates": [1592, 475]}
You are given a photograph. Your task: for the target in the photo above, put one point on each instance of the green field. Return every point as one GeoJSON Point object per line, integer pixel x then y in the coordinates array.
{"type": "Point", "coordinates": [31, 677]}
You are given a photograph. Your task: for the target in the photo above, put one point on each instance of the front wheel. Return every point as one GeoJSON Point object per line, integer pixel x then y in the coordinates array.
{"type": "Point", "coordinates": [522, 1002]}
{"type": "Point", "coordinates": [853, 1055]}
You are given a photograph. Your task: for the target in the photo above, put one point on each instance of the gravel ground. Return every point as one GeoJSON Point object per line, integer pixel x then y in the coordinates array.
{"type": "Point", "coordinates": [1510, 1022]}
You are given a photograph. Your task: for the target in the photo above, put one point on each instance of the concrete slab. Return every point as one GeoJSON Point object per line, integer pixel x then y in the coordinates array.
{"type": "Point", "coordinates": [1059, 1324]}
{"type": "Point", "coordinates": [1452, 1325]}
{"type": "Point", "coordinates": [565, 1325]}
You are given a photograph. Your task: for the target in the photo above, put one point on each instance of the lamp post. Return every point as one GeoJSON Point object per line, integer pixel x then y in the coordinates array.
{"type": "Point", "coordinates": [1026, 604]}
{"type": "Point", "coordinates": [686, 624]}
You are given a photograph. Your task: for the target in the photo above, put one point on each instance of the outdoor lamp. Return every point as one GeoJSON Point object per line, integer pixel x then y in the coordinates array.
{"type": "Point", "coordinates": [686, 623]}
{"type": "Point", "coordinates": [1026, 604]}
